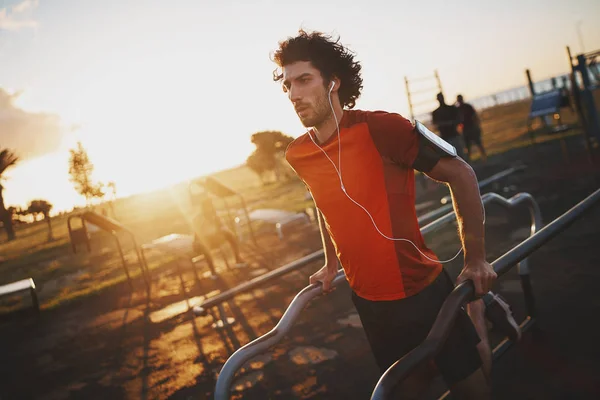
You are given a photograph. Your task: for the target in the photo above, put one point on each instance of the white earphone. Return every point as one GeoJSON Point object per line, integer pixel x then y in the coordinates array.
{"type": "Point", "coordinates": [339, 174]}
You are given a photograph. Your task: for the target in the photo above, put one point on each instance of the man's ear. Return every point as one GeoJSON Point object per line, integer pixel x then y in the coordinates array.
{"type": "Point", "coordinates": [336, 82]}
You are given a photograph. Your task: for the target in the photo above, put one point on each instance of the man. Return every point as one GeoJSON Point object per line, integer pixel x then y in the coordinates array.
{"type": "Point", "coordinates": [357, 163]}
{"type": "Point", "coordinates": [210, 232]}
{"type": "Point", "coordinates": [471, 126]}
{"type": "Point", "coordinates": [447, 118]}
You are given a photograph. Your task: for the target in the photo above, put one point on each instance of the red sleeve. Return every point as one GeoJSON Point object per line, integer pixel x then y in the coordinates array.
{"type": "Point", "coordinates": [394, 137]}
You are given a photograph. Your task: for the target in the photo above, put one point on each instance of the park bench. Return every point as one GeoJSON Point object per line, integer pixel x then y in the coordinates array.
{"type": "Point", "coordinates": [21, 286]}
{"type": "Point", "coordinates": [547, 106]}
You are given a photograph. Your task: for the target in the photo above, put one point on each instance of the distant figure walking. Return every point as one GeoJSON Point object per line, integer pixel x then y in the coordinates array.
{"type": "Point", "coordinates": [447, 118]}
{"type": "Point", "coordinates": [471, 126]}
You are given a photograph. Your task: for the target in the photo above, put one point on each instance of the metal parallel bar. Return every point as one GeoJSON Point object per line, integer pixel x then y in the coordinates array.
{"type": "Point", "coordinates": [500, 175]}
{"type": "Point", "coordinates": [245, 207]}
{"type": "Point", "coordinates": [502, 347]}
{"type": "Point", "coordinates": [269, 339]}
{"type": "Point", "coordinates": [123, 260]}
{"type": "Point", "coordinates": [464, 292]}
{"type": "Point", "coordinates": [259, 345]}
{"type": "Point", "coordinates": [536, 215]}
{"type": "Point", "coordinates": [201, 309]}
{"type": "Point", "coordinates": [432, 215]}
{"type": "Point", "coordinates": [141, 261]}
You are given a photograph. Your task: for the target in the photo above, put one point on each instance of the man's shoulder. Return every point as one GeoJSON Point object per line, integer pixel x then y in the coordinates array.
{"type": "Point", "coordinates": [374, 117]}
{"type": "Point", "coordinates": [382, 123]}
{"type": "Point", "coordinates": [296, 145]}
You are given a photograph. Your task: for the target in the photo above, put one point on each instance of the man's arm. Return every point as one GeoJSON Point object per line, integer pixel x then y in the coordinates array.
{"type": "Point", "coordinates": [466, 199]}
{"type": "Point", "coordinates": [326, 274]}
{"type": "Point", "coordinates": [330, 256]}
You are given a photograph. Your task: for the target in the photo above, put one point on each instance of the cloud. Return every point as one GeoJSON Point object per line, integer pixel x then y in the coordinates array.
{"type": "Point", "coordinates": [25, 5]}
{"type": "Point", "coordinates": [17, 18]}
{"type": "Point", "coordinates": [30, 135]}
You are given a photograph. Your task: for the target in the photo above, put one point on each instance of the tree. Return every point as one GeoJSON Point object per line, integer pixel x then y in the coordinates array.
{"type": "Point", "coordinates": [271, 142]}
{"type": "Point", "coordinates": [7, 159]}
{"type": "Point", "coordinates": [42, 207]}
{"type": "Point", "coordinates": [80, 170]}
{"type": "Point", "coordinates": [270, 147]}
{"type": "Point", "coordinates": [259, 164]}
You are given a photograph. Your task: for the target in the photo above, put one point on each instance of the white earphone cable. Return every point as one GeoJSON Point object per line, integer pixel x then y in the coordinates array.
{"type": "Point", "coordinates": [339, 174]}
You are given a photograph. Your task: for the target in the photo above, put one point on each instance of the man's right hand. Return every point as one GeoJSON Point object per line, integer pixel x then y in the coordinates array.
{"type": "Point", "coordinates": [325, 275]}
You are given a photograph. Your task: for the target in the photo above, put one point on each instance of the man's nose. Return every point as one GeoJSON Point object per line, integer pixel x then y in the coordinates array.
{"type": "Point", "coordinates": [294, 94]}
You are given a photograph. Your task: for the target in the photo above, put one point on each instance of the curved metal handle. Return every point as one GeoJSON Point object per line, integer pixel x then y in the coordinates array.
{"type": "Point", "coordinates": [271, 338]}
{"type": "Point", "coordinates": [463, 292]}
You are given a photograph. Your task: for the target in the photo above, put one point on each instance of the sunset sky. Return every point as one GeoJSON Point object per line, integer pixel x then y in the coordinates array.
{"type": "Point", "coordinates": [159, 92]}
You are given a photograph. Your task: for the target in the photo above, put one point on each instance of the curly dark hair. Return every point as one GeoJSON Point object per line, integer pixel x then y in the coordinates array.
{"type": "Point", "coordinates": [328, 56]}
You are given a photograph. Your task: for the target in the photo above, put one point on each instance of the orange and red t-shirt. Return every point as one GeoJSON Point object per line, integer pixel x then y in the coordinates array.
{"type": "Point", "coordinates": [377, 153]}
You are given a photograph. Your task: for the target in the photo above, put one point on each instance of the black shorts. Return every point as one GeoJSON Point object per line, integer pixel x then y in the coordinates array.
{"type": "Point", "coordinates": [394, 328]}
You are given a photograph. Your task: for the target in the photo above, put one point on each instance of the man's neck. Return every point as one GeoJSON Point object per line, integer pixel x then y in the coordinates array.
{"type": "Point", "coordinates": [329, 127]}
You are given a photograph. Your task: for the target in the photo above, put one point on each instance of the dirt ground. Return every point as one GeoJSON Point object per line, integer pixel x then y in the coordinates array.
{"type": "Point", "coordinates": [122, 345]}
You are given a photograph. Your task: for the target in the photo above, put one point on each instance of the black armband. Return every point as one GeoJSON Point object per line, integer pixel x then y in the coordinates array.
{"type": "Point", "coordinates": [431, 149]}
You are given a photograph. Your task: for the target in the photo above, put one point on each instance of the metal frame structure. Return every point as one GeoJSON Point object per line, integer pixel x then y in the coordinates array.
{"type": "Point", "coordinates": [465, 291]}
{"type": "Point", "coordinates": [409, 95]}
{"type": "Point", "coordinates": [482, 185]}
{"type": "Point", "coordinates": [113, 228]}
{"type": "Point", "coordinates": [212, 185]}
{"type": "Point", "coordinates": [584, 98]}
{"type": "Point", "coordinates": [300, 301]}
{"type": "Point", "coordinates": [224, 321]}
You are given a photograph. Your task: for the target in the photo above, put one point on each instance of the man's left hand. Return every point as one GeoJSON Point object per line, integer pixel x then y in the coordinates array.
{"type": "Point", "coordinates": [481, 273]}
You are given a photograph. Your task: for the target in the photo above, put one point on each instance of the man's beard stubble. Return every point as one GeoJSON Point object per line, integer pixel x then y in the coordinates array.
{"type": "Point", "coordinates": [322, 111]}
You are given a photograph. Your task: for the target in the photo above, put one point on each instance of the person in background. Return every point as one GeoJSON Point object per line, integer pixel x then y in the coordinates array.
{"type": "Point", "coordinates": [471, 126]}
{"type": "Point", "coordinates": [447, 118]}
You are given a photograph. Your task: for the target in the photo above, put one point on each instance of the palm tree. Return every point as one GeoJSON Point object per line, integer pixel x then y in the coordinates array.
{"type": "Point", "coordinates": [7, 159]}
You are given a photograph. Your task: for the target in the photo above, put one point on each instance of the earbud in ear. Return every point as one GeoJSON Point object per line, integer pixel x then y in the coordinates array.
{"type": "Point", "coordinates": [331, 86]}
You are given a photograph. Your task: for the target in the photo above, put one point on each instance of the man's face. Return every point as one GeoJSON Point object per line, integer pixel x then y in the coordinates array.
{"type": "Point", "coordinates": [306, 90]}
